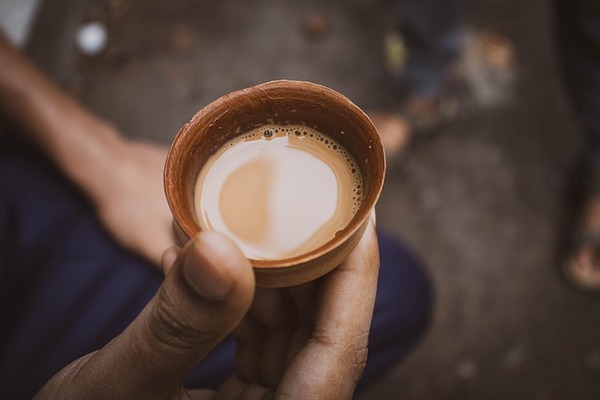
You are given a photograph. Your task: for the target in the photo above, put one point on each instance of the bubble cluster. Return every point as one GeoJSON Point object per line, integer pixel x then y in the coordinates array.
{"type": "Point", "coordinates": [301, 132]}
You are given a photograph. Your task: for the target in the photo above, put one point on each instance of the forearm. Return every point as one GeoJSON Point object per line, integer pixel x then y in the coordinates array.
{"type": "Point", "coordinates": [80, 144]}
{"type": "Point", "coordinates": [122, 178]}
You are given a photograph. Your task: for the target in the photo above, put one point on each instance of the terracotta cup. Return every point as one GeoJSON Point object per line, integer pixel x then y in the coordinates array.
{"type": "Point", "coordinates": [279, 102]}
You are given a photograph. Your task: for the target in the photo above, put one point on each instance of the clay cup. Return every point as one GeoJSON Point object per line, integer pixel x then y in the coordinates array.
{"type": "Point", "coordinates": [277, 102]}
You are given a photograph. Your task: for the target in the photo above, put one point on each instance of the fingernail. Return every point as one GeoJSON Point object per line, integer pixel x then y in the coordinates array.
{"type": "Point", "coordinates": [202, 267]}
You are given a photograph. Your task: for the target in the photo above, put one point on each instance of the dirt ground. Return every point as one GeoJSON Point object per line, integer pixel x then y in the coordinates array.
{"type": "Point", "coordinates": [482, 203]}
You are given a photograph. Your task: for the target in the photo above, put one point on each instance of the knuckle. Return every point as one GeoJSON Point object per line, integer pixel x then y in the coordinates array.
{"type": "Point", "coordinates": [351, 352]}
{"type": "Point", "coordinates": [358, 352]}
{"type": "Point", "coordinates": [174, 328]}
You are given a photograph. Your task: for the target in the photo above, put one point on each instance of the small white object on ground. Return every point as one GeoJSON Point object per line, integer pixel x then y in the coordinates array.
{"type": "Point", "coordinates": [91, 38]}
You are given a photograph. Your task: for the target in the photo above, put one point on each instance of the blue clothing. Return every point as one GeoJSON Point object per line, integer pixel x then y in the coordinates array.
{"type": "Point", "coordinates": [67, 288]}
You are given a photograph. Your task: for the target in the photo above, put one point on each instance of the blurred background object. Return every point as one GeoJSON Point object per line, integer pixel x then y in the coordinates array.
{"type": "Point", "coordinates": [482, 203]}
{"type": "Point", "coordinates": [16, 18]}
{"type": "Point", "coordinates": [91, 38]}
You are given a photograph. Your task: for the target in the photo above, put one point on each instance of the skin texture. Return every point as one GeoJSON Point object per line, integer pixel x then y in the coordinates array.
{"type": "Point", "coordinates": [122, 178]}
{"type": "Point", "coordinates": [303, 342]}
{"type": "Point", "coordinates": [308, 341]}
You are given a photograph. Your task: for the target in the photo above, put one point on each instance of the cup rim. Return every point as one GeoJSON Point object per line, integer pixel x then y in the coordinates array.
{"type": "Point", "coordinates": [191, 227]}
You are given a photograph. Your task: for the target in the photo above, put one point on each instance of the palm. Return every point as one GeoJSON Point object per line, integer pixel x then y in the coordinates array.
{"type": "Point", "coordinates": [291, 338]}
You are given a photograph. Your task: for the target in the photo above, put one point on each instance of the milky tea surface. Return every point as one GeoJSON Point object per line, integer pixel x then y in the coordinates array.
{"type": "Point", "coordinates": [278, 191]}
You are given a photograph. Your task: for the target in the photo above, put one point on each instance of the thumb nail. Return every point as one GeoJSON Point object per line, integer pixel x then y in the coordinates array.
{"type": "Point", "coordinates": [202, 268]}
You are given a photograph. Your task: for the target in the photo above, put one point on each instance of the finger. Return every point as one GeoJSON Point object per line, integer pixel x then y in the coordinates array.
{"type": "Point", "coordinates": [155, 246]}
{"type": "Point", "coordinates": [304, 297]}
{"type": "Point", "coordinates": [264, 336]}
{"type": "Point", "coordinates": [202, 394]}
{"type": "Point", "coordinates": [347, 294]}
{"type": "Point", "coordinates": [250, 337]}
{"type": "Point", "coordinates": [233, 388]}
{"type": "Point", "coordinates": [205, 294]}
{"type": "Point", "coordinates": [274, 309]}
{"type": "Point", "coordinates": [331, 364]}
{"type": "Point", "coordinates": [168, 258]}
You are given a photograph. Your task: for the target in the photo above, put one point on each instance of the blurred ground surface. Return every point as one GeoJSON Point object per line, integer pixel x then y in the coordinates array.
{"type": "Point", "coordinates": [482, 203]}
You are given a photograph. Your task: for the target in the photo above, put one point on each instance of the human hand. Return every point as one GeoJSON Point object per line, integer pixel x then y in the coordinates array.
{"type": "Point", "coordinates": [309, 341]}
{"type": "Point", "coordinates": [130, 200]}
{"type": "Point", "coordinates": [208, 287]}
{"type": "Point", "coordinates": [303, 342]}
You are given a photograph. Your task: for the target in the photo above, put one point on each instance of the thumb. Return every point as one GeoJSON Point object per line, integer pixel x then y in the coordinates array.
{"type": "Point", "coordinates": [205, 294]}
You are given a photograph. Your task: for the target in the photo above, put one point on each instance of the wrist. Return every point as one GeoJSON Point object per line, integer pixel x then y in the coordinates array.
{"type": "Point", "coordinates": [99, 165]}
{"type": "Point", "coordinates": [83, 146]}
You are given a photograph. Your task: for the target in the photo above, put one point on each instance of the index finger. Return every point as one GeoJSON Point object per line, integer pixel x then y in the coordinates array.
{"type": "Point", "coordinates": [347, 295]}
{"type": "Point", "coordinates": [331, 363]}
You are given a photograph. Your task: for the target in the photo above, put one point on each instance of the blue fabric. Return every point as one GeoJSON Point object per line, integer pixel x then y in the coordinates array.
{"type": "Point", "coordinates": [67, 289]}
